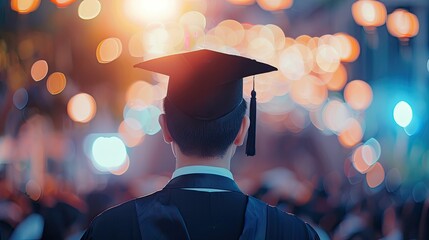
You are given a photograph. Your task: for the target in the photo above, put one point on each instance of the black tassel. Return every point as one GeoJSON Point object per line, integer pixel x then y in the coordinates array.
{"type": "Point", "coordinates": [251, 137]}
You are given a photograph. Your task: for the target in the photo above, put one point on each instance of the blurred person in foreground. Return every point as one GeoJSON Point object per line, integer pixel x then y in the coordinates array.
{"type": "Point", "coordinates": [204, 122]}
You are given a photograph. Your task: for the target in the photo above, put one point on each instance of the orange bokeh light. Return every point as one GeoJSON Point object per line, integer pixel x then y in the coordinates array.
{"type": "Point", "coordinates": [349, 47]}
{"type": "Point", "coordinates": [24, 6]}
{"type": "Point", "coordinates": [369, 13]}
{"type": "Point", "coordinates": [123, 168]}
{"type": "Point", "coordinates": [308, 93]}
{"type": "Point", "coordinates": [358, 161]}
{"type": "Point", "coordinates": [274, 5]}
{"type": "Point", "coordinates": [131, 136]}
{"type": "Point", "coordinates": [56, 83]}
{"type": "Point", "coordinates": [81, 108]}
{"type": "Point", "coordinates": [352, 133]}
{"type": "Point", "coordinates": [336, 81]}
{"type": "Point", "coordinates": [242, 2]}
{"type": "Point", "coordinates": [108, 50]}
{"type": "Point", "coordinates": [358, 94]}
{"type": "Point", "coordinates": [62, 3]}
{"type": "Point", "coordinates": [402, 24]}
{"type": "Point", "coordinates": [375, 175]}
{"type": "Point", "coordinates": [39, 70]}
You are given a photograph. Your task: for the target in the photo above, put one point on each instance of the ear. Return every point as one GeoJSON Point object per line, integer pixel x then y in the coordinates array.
{"type": "Point", "coordinates": [165, 133]}
{"type": "Point", "coordinates": [239, 140]}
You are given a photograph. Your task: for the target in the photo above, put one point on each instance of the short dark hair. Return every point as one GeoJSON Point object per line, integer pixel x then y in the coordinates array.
{"type": "Point", "coordinates": [201, 137]}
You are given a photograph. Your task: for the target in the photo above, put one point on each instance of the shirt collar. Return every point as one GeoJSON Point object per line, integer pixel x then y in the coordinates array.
{"type": "Point", "coordinates": [202, 169]}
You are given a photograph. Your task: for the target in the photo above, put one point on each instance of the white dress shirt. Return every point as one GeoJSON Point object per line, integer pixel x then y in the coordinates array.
{"type": "Point", "coordinates": [198, 169]}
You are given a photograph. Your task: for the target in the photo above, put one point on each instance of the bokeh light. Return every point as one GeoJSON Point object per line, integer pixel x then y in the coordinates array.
{"type": "Point", "coordinates": [351, 134]}
{"type": "Point", "coordinates": [402, 24]}
{"type": "Point", "coordinates": [131, 136]}
{"type": "Point", "coordinates": [349, 48]}
{"type": "Point", "coordinates": [81, 108]}
{"type": "Point", "coordinates": [337, 80]}
{"type": "Point", "coordinates": [371, 151]}
{"type": "Point", "coordinates": [327, 58]}
{"type": "Point", "coordinates": [24, 6]}
{"type": "Point", "coordinates": [122, 169]}
{"type": "Point", "coordinates": [375, 176]}
{"type": "Point", "coordinates": [20, 98]}
{"type": "Point", "coordinates": [369, 13]}
{"type": "Point", "coordinates": [39, 70]}
{"type": "Point", "coordinates": [358, 160]}
{"type": "Point", "coordinates": [274, 5]}
{"type": "Point", "coordinates": [358, 94]}
{"type": "Point", "coordinates": [242, 2]}
{"type": "Point", "coordinates": [56, 83]}
{"type": "Point", "coordinates": [33, 190]}
{"type": "Point", "coordinates": [393, 180]}
{"type": "Point", "coordinates": [143, 118]}
{"type": "Point", "coordinates": [403, 114]}
{"type": "Point", "coordinates": [109, 50]}
{"type": "Point", "coordinates": [144, 11]}
{"type": "Point", "coordinates": [296, 61]}
{"type": "Point", "coordinates": [335, 115]}
{"type": "Point", "coordinates": [62, 3]}
{"type": "Point", "coordinates": [108, 153]}
{"type": "Point", "coordinates": [89, 9]}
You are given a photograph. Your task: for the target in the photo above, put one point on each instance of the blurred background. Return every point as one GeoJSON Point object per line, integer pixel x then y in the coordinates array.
{"type": "Point", "coordinates": [342, 136]}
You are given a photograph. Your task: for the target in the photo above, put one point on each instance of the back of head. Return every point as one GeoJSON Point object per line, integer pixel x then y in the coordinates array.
{"type": "Point", "coordinates": [203, 138]}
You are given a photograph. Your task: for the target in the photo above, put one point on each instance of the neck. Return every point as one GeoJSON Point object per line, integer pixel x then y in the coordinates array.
{"type": "Point", "coordinates": [224, 161]}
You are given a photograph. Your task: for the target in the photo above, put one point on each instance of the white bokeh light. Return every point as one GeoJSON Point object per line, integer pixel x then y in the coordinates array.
{"type": "Point", "coordinates": [403, 114]}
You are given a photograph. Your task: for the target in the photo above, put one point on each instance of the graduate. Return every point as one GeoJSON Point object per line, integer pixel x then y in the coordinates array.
{"type": "Point", "coordinates": [204, 122]}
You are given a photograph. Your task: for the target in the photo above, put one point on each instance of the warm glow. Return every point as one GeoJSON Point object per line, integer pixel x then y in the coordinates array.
{"type": "Point", "coordinates": [56, 83]}
{"type": "Point", "coordinates": [140, 93]}
{"type": "Point", "coordinates": [308, 93]}
{"type": "Point", "coordinates": [327, 58]}
{"type": "Point", "coordinates": [369, 13]}
{"type": "Point", "coordinates": [335, 115]}
{"type": "Point", "coordinates": [402, 24]}
{"type": "Point", "coordinates": [135, 45]}
{"type": "Point", "coordinates": [122, 169]}
{"type": "Point", "coordinates": [358, 94]}
{"type": "Point", "coordinates": [160, 39]}
{"type": "Point", "coordinates": [62, 3]}
{"type": "Point", "coordinates": [193, 24]}
{"type": "Point", "coordinates": [348, 47]}
{"type": "Point", "coordinates": [144, 11]}
{"type": "Point", "coordinates": [279, 36]}
{"type": "Point", "coordinates": [296, 61]}
{"type": "Point", "coordinates": [358, 160]}
{"type": "Point", "coordinates": [230, 31]}
{"type": "Point", "coordinates": [24, 6]}
{"type": "Point", "coordinates": [375, 176]}
{"type": "Point", "coordinates": [336, 80]}
{"type": "Point", "coordinates": [274, 5]}
{"type": "Point", "coordinates": [89, 9]}
{"type": "Point", "coordinates": [351, 134]}
{"type": "Point", "coordinates": [39, 70]}
{"type": "Point", "coordinates": [81, 108]}
{"type": "Point", "coordinates": [242, 2]}
{"type": "Point", "coordinates": [108, 50]}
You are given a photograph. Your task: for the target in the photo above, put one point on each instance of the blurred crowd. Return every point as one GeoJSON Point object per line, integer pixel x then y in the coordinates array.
{"type": "Point", "coordinates": [336, 210]}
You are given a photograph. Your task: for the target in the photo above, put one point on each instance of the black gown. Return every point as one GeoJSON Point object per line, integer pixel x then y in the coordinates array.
{"type": "Point", "coordinates": [177, 213]}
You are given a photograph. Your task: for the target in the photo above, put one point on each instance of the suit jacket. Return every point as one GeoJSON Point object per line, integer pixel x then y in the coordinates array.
{"type": "Point", "coordinates": [177, 213]}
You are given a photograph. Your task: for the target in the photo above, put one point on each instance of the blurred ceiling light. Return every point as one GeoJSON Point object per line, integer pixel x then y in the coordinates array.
{"type": "Point", "coordinates": [81, 108]}
{"type": "Point", "coordinates": [358, 94]}
{"type": "Point", "coordinates": [109, 50]}
{"type": "Point", "coordinates": [24, 6]}
{"type": "Point", "coordinates": [274, 5]}
{"type": "Point", "coordinates": [375, 175]}
{"type": "Point", "coordinates": [89, 9]}
{"type": "Point", "coordinates": [39, 70]}
{"type": "Point", "coordinates": [56, 83]}
{"type": "Point", "coordinates": [242, 2]}
{"type": "Point", "coordinates": [144, 11]}
{"type": "Point", "coordinates": [402, 24]}
{"type": "Point", "coordinates": [349, 47]}
{"type": "Point", "coordinates": [369, 13]}
{"type": "Point", "coordinates": [62, 3]}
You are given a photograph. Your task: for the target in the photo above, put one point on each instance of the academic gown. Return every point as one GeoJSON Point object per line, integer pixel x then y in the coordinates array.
{"type": "Point", "coordinates": [175, 212]}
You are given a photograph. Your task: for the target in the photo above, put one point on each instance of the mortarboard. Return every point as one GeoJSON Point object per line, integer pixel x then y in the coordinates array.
{"type": "Point", "coordinates": [207, 85]}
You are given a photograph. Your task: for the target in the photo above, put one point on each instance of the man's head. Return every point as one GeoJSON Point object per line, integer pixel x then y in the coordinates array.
{"type": "Point", "coordinates": [202, 138]}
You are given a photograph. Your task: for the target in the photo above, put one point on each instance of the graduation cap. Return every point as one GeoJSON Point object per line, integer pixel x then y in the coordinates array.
{"type": "Point", "coordinates": [207, 85]}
